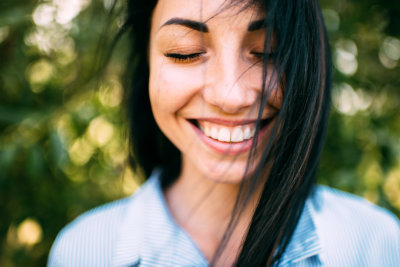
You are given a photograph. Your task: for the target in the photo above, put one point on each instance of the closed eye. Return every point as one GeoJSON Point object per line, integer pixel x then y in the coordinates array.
{"type": "Point", "coordinates": [262, 55]}
{"type": "Point", "coordinates": [184, 58]}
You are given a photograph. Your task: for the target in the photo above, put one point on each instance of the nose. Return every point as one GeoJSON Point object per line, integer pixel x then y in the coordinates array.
{"type": "Point", "coordinates": [228, 86]}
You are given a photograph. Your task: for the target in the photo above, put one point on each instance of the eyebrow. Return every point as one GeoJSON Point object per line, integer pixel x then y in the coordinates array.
{"type": "Point", "coordinates": [256, 25]}
{"type": "Point", "coordinates": [195, 25]}
{"type": "Point", "coordinates": [202, 27]}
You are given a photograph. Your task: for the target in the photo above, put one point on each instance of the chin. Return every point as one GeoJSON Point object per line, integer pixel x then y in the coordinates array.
{"type": "Point", "coordinates": [228, 172]}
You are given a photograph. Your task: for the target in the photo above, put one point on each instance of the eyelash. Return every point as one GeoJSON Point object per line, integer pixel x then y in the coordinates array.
{"type": "Point", "coordinates": [187, 58]}
{"type": "Point", "coordinates": [262, 55]}
{"type": "Point", "coordinates": [184, 58]}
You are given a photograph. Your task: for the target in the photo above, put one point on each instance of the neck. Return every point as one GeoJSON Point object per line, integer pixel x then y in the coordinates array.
{"type": "Point", "coordinates": [203, 208]}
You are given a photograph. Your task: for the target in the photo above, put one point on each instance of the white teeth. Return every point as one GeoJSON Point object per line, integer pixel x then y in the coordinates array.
{"type": "Point", "coordinates": [253, 131]}
{"type": "Point", "coordinates": [228, 134]}
{"type": "Point", "coordinates": [224, 135]}
{"type": "Point", "coordinates": [237, 135]}
{"type": "Point", "coordinates": [207, 131]}
{"type": "Point", "coordinates": [214, 133]}
{"type": "Point", "coordinates": [247, 133]}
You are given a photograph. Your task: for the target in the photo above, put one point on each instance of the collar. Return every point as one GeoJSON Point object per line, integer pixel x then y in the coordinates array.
{"type": "Point", "coordinates": [305, 242]}
{"type": "Point", "coordinates": [149, 235]}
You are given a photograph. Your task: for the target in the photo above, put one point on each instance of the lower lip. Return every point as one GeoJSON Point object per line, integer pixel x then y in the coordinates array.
{"type": "Point", "coordinates": [228, 148]}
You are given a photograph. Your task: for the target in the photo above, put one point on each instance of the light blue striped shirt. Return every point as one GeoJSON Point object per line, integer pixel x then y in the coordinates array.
{"type": "Point", "coordinates": [335, 229]}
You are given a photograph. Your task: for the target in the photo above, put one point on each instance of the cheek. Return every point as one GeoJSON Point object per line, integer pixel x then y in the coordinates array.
{"type": "Point", "coordinates": [172, 87]}
{"type": "Point", "coordinates": [276, 98]}
{"type": "Point", "coordinates": [253, 79]}
{"type": "Point", "coordinates": [273, 85]}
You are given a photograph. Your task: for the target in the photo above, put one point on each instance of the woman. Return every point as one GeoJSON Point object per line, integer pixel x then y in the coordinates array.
{"type": "Point", "coordinates": [228, 109]}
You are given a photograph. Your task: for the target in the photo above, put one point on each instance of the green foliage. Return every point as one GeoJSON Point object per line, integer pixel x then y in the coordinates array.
{"type": "Point", "coordinates": [362, 153]}
{"type": "Point", "coordinates": [63, 143]}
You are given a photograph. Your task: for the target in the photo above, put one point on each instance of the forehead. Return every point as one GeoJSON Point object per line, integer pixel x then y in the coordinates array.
{"type": "Point", "coordinates": [209, 11]}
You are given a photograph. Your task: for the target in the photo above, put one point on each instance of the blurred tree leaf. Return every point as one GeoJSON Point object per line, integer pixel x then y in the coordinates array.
{"type": "Point", "coordinates": [62, 132]}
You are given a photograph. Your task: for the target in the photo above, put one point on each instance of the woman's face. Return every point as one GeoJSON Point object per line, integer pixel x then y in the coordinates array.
{"type": "Point", "coordinates": [206, 82]}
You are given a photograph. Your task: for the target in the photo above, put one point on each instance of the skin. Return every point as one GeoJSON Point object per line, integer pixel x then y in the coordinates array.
{"type": "Point", "coordinates": [221, 84]}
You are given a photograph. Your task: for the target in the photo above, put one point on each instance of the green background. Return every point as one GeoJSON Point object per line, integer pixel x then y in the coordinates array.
{"type": "Point", "coordinates": [63, 145]}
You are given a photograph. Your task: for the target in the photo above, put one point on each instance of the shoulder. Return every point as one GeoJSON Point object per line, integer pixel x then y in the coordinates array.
{"type": "Point", "coordinates": [90, 239]}
{"type": "Point", "coordinates": [340, 208]}
{"type": "Point", "coordinates": [355, 229]}
{"type": "Point", "coordinates": [334, 202]}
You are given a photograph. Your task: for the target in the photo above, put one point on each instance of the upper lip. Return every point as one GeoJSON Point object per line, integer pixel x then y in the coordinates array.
{"type": "Point", "coordinates": [227, 122]}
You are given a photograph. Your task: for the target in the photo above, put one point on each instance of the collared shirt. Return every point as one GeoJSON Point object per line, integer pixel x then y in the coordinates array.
{"type": "Point", "coordinates": [335, 229]}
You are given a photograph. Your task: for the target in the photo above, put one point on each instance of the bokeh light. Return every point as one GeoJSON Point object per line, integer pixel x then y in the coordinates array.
{"type": "Point", "coordinates": [64, 142]}
{"type": "Point", "coordinates": [29, 232]}
{"type": "Point", "coordinates": [389, 53]}
{"type": "Point", "coordinates": [348, 101]}
{"type": "Point", "coordinates": [345, 56]}
{"type": "Point", "coordinates": [332, 19]}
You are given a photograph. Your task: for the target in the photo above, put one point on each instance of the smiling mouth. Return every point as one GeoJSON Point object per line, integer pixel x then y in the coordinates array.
{"type": "Point", "coordinates": [229, 133]}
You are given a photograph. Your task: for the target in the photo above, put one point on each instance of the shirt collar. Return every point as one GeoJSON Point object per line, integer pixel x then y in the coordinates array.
{"type": "Point", "coordinates": [305, 242]}
{"type": "Point", "coordinates": [148, 234]}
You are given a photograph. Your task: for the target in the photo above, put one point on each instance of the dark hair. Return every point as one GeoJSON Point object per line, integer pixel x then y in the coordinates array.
{"type": "Point", "coordinates": [303, 66]}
